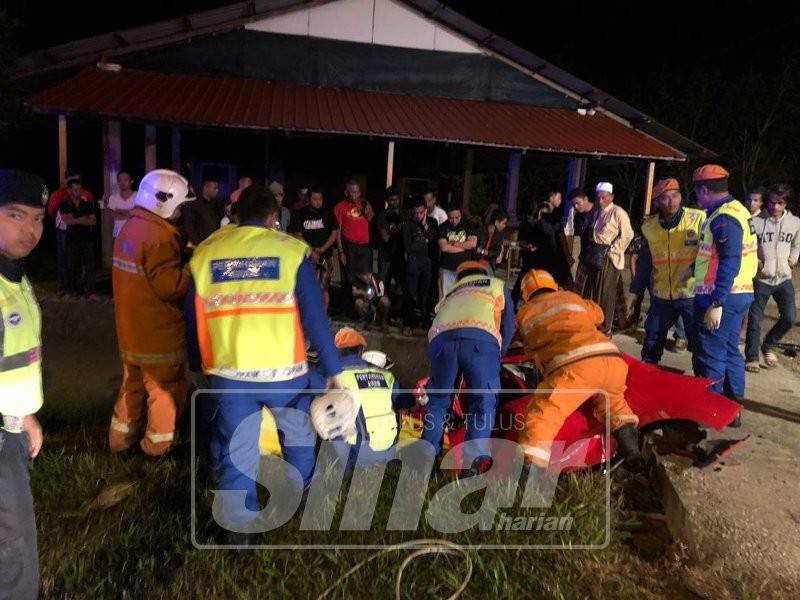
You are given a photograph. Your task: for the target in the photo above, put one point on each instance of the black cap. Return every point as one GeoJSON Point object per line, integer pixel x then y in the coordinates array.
{"type": "Point", "coordinates": [20, 187]}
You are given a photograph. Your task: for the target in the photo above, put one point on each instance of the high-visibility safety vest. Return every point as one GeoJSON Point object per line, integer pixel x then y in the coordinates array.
{"type": "Point", "coordinates": [673, 252]}
{"type": "Point", "coordinates": [705, 269]}
{"type": "Point", "coordinates": [374, 389]}
{"type": "Point", "coordinates": [475, 301]}
{"type": "Point", "coordinates": [248, 322]}
{"type": "Point", "coordinates": [20, 349]}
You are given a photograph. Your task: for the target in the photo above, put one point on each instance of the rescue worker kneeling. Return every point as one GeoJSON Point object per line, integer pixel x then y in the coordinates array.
{"type": "Point", "coordinates": [473, 327]}
{"type": "Point", "coordinates": [559, 332]}
{"type": "Point", "coordinates": [379, 395]}
{"type": "Point", "coordinates": [149, 285]}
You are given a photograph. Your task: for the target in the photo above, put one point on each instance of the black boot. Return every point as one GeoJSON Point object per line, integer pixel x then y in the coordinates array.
{"type": "Point", "coordinates": [628, 447]}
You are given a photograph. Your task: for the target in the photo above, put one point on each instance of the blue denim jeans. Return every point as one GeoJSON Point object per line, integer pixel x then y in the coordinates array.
{"type": "Point", "coordinates": [783, 294]}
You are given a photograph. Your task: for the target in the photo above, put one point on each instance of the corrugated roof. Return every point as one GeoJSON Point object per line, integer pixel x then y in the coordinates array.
{"type": "Point", "coordinates": [255, 104]}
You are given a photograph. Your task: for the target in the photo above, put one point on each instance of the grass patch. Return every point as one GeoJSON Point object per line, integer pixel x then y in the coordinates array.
{"type": "Point", "coordinates": [141, 547]}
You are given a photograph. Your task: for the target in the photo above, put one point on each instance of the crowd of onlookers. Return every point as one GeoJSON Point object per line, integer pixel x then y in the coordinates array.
{"type": "Point", "coordinates": [397, 257]}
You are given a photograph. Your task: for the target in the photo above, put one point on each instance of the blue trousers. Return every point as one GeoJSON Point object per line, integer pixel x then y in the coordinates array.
{"type": "Point", "coordinates": [663, 314]}
{"type": "Point", "coordinates": [717, 354]}
{"type": "Point", "coordinates": [787, 313]}
{"type": "Point", "coordinates": [479, 362]}
{"type": "Point", "coordinates": [238, 454]}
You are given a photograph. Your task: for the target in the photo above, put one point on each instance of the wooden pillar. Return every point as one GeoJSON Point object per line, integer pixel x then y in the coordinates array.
{"type": "Point", "coordinates": [466, 191]}
{"type": "Point", "coordinates": [649, 180]}
{"type": "Point", "coordinates": [149, 148]}
{"type": "Point", "coordinates": [62, 149]}
{"type": "Point", "coordinates": [112, 161]}
{"type": "Point", "coordinates": [390, 165]}
{"type": "Point", "coordinates": [176, 149]}
{"type": "Point", "coordinates": [512, 186]}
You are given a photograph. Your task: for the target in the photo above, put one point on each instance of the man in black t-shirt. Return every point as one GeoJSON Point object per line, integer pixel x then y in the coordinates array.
{"type": "Point", "coordinates": [456, 242]}
{"type": "Point", "coordinates": [320, 230]}
{"type": "Point", "coordinates": [80, 217]}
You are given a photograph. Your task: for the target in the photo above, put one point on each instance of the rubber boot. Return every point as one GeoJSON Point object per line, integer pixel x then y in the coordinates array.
{"type": "Point", "coordinates": [627, 438]}
{"type": "Point", "coordinates": [737, 420]}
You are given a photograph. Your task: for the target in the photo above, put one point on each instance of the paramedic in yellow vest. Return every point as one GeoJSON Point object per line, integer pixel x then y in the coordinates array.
{"type": "Point", "coordinates": [254, 298]}
{"type": "Point", "coordinates": [380, 396]}
{"type": "Point", "coordinates": [22, 200]}
{"type": "Point", "coordinates": [665, 268]}
{"type": "Point", "coordinates": [723, 273]}
{"type": "Point", "coordinates": [472, 329]}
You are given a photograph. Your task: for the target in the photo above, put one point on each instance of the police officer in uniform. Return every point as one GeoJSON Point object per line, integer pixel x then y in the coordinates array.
{"type": "Point", "coordinates": [726, 264]}
{"type": "Point", "coordinates": [22, 200]}
{"type": "Point", "coordinates": [253, 299]}
{"type": "Point", "coordinates": [665, 267]}
{"type": "Point", "coordinates": [473, 327]}
{"type": "Point", "coordinates": [380, 396]}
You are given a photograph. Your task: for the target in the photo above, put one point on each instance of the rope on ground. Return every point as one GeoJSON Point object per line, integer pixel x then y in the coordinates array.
{"type": "Point", "coordinates": [421, 548]}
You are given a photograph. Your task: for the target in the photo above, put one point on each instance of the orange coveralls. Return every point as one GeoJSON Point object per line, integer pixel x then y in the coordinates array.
{"type": "Point", "coordinates": [559, 331]}
{"type": "Point", "coordinates": [149, 286]}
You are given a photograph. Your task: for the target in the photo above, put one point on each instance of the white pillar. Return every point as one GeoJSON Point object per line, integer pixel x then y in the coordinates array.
{"type": "Point", "coordinates": [62, 148]}
{"type": "Point", "coordinates": [649, 180]}
{"type": "Point", "coordinates": [112, 162]}
{"type": "Point", "coordinates": [390, 165]}
{"type": "Point", "coordinates": [149, 148]}
{"type": "Point", "coordinates": [576, 176]}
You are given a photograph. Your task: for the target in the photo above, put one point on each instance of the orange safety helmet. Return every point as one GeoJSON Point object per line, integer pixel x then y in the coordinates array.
{"type": "Point", "coordinates": [347, 337]}
{"type": "Point", "coordinates": [469, 265]}
{"type": "Point", "coordinates": [709, 172]}
{"type": "Point", "coordinates": [665, 185]}
{"type": "Point", "coordinates": [537, 279]}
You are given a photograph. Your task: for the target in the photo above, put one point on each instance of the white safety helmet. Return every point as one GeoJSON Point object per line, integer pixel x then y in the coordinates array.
{"type": "Point", "coordinates": [334, 414]}
{"type": "Point", "coordinates": [378, 358]}
{"type": "Point", "coordinates": [161, 191]}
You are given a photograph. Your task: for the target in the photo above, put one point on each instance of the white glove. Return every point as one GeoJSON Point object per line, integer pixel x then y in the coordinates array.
{"type": "Point", "coordinates": [713, 317]}
{"type": "Point", "coordinates": [334, 414]}
{"type": "Point", "coordinates": [420, 396]}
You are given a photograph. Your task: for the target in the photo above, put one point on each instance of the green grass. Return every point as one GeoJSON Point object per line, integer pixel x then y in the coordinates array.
{"type": "Point", "coordinates": [141, 547]}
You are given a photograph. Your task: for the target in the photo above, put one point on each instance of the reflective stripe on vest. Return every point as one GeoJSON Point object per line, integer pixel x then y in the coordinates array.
{"type": "Point", "coordinates": [553, 310]}
{"type": "Point", "coordinates": [20, 349]}
{"type": "Point", "coordinates": [705, 270]}
{"type": "Point", "coordinates": [374, 389]}
{"type": "Point", "coordinates": [582, 352]}
{"type": "Point", "coordinates": [248, 323]}
{"type": "Point", "coordinates": [673, 253]}
{"type": "Point", "coordinates": [475, 301]}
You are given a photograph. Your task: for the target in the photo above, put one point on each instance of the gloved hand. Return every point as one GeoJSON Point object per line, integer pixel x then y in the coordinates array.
{"type": "Point", "coordinates": [420, 396]}
{"type": "Point", "coordinates": [713, 317]}
{"type": "Point", "coordinates": [335, 383]}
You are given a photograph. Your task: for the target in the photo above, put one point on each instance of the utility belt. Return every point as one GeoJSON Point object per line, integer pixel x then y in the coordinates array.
{"type": "Point", "coordinates": [13, 424]}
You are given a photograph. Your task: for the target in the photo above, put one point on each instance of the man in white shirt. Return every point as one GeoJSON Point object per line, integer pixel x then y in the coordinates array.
{"type": "Point", "coordinates": [121, 201]}
{"type": "Point", "coordinates": [602, 261]}
{"type": "Point", "coordinates": [434, 210]}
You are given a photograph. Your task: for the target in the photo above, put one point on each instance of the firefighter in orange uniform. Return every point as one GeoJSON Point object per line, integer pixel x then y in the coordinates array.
{"type": "Point", "coordinates": [149, 287]}
{"type": "Point", "coordinates": [559, 331]}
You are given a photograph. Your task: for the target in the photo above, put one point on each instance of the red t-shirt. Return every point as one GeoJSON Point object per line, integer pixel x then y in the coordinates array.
{"type": "Point", "coordinates": [57, 199]}
{"type": "Point", "coordinates": [354, 220]}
